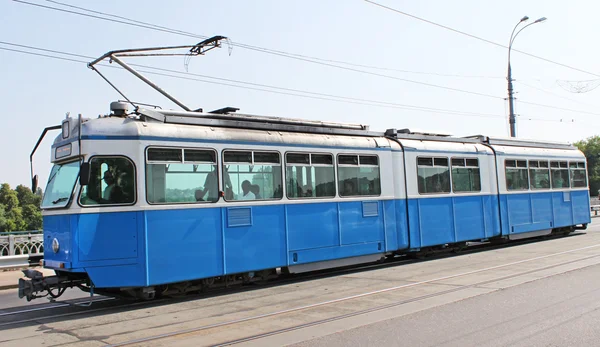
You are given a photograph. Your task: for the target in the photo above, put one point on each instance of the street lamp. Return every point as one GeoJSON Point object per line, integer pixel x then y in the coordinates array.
{"type": "Point", "coordinates": [511, 118]}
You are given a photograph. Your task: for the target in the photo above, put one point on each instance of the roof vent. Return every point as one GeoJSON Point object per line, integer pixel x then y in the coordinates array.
{"type": "Point", "coordinates": [118, 108]}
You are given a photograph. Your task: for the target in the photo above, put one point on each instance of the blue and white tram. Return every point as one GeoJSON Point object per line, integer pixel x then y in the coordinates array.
{"type": "Point", "coordinates": [163, 201]}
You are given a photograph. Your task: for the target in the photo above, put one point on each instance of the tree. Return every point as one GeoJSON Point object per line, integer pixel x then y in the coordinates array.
{"type": "Point", "coordinates": [3, 219]}
{"type": "Point", "coordinates": [8, 197]}
{"type": "Point", "coordinates": [11, 209]}
{"type": "Point", "coordinates": [27, 197]}
{"type": "Point", "coordinates": [591, 149]}
{"type": "Point", "coordinates": [32, 217]}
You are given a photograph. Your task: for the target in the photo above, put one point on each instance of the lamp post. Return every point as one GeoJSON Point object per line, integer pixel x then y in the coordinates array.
{"type": "Point", "coordinates": [511, 118]}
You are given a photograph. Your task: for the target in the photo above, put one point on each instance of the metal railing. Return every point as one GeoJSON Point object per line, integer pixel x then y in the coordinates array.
{"type": "Point", "coordinates": [20, 248]}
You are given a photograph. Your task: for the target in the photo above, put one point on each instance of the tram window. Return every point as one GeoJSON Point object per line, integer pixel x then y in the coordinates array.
{"type": "Point", "coordinates": [433, 175]}
{"type": "Point", "coordinates": [199, 156]}
{"type": "Point", "coordinates": [193, 178]}
{"type": "Point", "coordinates": [237, 157]}
{"type": "Point", "coordinates": [358, 175]}
{"type": "Point", "coordinates": [560, 175]}
{"type": "Point", "coordinates": [517, 177]}
{"type": "Point", "coordinates": [297, 158]}
{"type": "Point", "coordinates": [465, 175]}
{"type": "Point", "coordinates": [165, 155]}
{"type": "Point", "coordinates": [321, 159]}
{"type": "Point", "coordinates": [578, 175]}
{"type": "Point", "coordinates": [266, 157]}
{"type": "Point", "coordinates": [539, 175]}
{"type": "Point", "coordinates": [348, 159]}
{"type": "Point", "coordinates": [309, 175]}
{"type": "Point", "coordinates": [112, 182]}
{"type": "Point", "coordinates": [252, 175]}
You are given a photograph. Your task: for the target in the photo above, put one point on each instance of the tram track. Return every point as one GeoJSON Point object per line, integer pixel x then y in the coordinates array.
{"type": "Point", "coordinates": [117, 304]}
{"type": "Point", "coordinates": [231, 323]}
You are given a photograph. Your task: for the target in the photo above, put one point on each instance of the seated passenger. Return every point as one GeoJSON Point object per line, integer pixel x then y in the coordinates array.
{"type": "Point", "coordinates": [123, 192]}
{"type": "Point", "coordinates": [110, 181]}
{"type": "Point", "coordinates": [308, 191]}
{"type": "Point", "coordinates": [349, 188]}
{"type": "Point", "coordinates": [247, 194]}
{"type": "Point", "coordinates": [255, 188]}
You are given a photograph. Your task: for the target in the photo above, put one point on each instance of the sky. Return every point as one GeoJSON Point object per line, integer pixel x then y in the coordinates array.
{"type": "Point", "coordinates": [342, 61]}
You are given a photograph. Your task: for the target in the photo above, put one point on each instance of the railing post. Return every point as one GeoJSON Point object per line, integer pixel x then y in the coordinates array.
{"type": "Point", "coordinates": [11, 245]}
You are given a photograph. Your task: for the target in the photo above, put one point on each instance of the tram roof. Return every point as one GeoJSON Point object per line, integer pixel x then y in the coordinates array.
{"type": "Point", "coordinates": [228, 118]}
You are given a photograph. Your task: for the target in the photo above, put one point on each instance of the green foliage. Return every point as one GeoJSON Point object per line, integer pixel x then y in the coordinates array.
{"type": "Point", "coordinates": [19, 209]}
{"type": "Point", "coordinates": [591, 148]}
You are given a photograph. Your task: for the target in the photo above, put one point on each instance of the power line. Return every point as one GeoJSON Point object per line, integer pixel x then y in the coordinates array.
{"type": "Point", "coordinates": [267, 50]}
{"type": "Point", "coordinates": [559, 108]}
{"type": "Point", "coordinates": [552, 93]}
{"type": "Point", "coordinates": [259, 49]}
{"type": "Point", "coordinates": [478, 38]}
{"type": "Point", "coordinates": [284, 91]}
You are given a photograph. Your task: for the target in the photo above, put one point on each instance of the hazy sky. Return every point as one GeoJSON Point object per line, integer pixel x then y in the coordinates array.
{"type": "Point", "coordinates": [393, 49]}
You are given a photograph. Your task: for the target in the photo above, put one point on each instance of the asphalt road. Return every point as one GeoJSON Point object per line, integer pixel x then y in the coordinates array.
{"type": "Point", "coordinates": [562, 310]}
{"type": "Point", "coordinates": [9, 299]}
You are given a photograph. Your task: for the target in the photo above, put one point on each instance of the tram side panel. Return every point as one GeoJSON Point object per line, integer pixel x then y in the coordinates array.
{"type": "Point", "coordinates": [452, 196]}
{"type": "Point", "coordinates": [347, 225]}
{"type": "Point", "coordinates": [541, 189]}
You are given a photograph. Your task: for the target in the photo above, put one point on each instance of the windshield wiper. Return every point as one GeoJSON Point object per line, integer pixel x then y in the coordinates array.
{"type": "Point", "coordinates": [60, 200]}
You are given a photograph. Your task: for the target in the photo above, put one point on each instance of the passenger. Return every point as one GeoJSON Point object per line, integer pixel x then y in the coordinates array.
{"type": "Point", "coordinates": [122, 191]}
{"type": "Point", "coordinates": [255, 188]}
{"type": "Point", "coordinates": [247, 194]}
{"type": "Point", "coordinates": [349, 188]}
{"type": "Point", "coordinates": [110, 181]}
{"type": "Point", "coordinates": [308, 191]}
{"type": "Point", "coordinates": [227, 184]}
{"type": "Point", "coordinates": [210, 187]}
{"type": "Point", "coordinates": [558, 181]}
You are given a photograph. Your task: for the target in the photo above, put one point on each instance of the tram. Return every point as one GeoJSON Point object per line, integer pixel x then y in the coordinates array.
{"type": "Point", "coordinates": [147, 201]}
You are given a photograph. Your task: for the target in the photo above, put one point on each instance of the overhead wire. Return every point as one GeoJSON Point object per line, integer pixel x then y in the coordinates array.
{"type": "Point", "coordinates": [259, 49]}
{"type": "Point", "coordinates": [285, 91]}
{"type": "Point", "coordinates": [285, 54]}
{"type": "Point", "coordinates": [478, 38]}
{"type": "Point", "coordinates": [552, 93]}
{"type": "Point", "coordinates": [187, 33]}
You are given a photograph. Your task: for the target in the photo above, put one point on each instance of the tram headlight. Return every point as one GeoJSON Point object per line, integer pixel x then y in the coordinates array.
{"type": "Point", "coordinates": [55, 245]}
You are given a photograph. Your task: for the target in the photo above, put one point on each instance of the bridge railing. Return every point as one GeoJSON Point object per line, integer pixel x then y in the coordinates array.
{"type": "Point", "coordinates": [20, 248]}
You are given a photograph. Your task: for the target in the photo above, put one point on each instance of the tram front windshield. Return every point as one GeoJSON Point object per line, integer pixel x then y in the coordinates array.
{"type": "Point", "coordinates": [60, 185]}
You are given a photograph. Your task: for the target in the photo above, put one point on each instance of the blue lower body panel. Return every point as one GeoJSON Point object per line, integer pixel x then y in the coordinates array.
{"type": "Point", "coordinates": [437, 221]}
{"type": "Point", "coordinates": [529, 212]}
{"type": "Point", "coordinates": [153, 247]}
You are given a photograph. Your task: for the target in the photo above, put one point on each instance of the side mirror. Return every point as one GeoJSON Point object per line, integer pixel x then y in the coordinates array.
{"type": "Point", "coordinates": [34, 184]}
{"type": "Point", "coordinates": [84, 174]}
